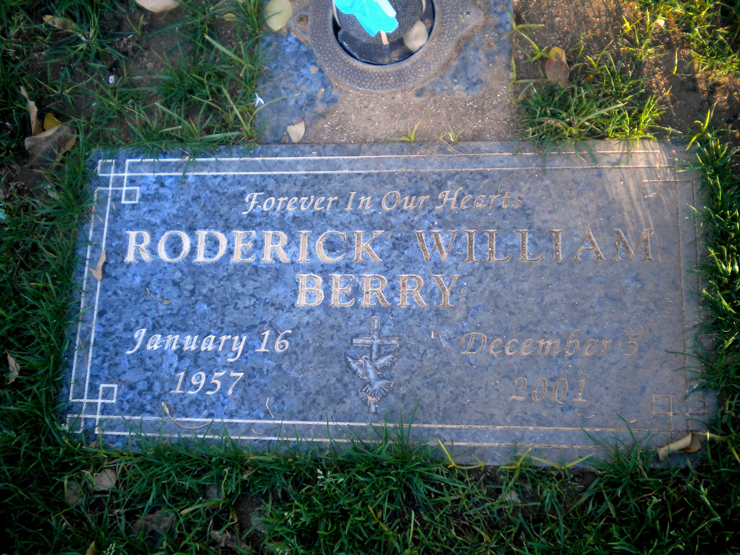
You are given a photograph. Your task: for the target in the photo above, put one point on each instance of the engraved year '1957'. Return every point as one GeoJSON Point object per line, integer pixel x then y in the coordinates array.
{"type": "Point", "coordinates": [198, 380]}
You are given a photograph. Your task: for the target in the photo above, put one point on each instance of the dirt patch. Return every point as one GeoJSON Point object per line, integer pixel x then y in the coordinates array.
{"type": "Point", "coordinates": [671, 73]}
{"type": "Point", "coordinates": [372, 118]}
{"type": "Point", "coordinates": [581, 26]}
{"type": "Point", "coordinates": [487, 115]}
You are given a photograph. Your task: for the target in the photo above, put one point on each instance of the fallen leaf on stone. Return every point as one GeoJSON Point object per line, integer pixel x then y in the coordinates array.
{"type": "Point", "coordinates": [92, 550]}
{"type": "Point", "coordinates": [73, 492]}
{"type": "Point", "coordinates": [33, 113]}
{"type": "Point", "coordinates": [416, 37]}
{"type": "Point", "coordinates": [230, 17]}
{"type": "Point", "coordinates": [277, 14]}
{"type": "Point", "coordinates": [105, 480]}
{"type": "Point", "coordinates": [296, 131]}
{"type": "Point", "coordinates": [98, 271]}
{"type": "Point", "coordinates": [687, 444]}
{"type": "Point", "coordinates": [158, 6]}
{"type": "Point", "coordinates": [50, 121]}
{"type": "Point", "coordinates": [60, 23]}
{"type": "Point", "coordinates": [50, 145]}
{"type": "Point", "coordinates": [14, 369]}
{"type": "Point", "coordinates": [556, 68]}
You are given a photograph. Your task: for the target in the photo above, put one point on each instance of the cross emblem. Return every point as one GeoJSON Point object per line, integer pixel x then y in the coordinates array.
{"type": "Point", "coordinates": [375, 341]}
{"type": "Point", "coordinates": [371, 369]}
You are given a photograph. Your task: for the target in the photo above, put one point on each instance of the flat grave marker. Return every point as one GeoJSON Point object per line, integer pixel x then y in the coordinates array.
{"type": "Point", "coordinates": [308, 291]}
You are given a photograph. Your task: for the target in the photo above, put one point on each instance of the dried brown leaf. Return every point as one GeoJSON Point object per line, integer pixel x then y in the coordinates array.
{"type": "Point", "coordinates": [687, 444]}
{"type": "Point", "coordinates": [158, 6]}
{"type": "Point", "coordinates": [225, 539]}
{"type": "Point", "coordinates": [73, 493]}
{"type": "Point", "coordinates": [296, 131]}
{"type": "Point", "coordinates": [33, 113]}
{"type": "Point", "coordinates": [695, 444]}
{"type": "Point", "coordinates": [60, 23]}
{"type": "Point", "coordinates": [92, 550]}
{"type": "Point", "coordinates": [50, 145]}
{"type": "Point", "coordinates": [512, 496]}
{"type": "Point", "coordinates": [277, 14]}
{"type": "Point", "coordinates": [158, 522]}
{"type": "Point", "coordinates": [14, 369]}
{"type": "Point", "coordinates": [98, 271]}
{"type": "Point", "coordinates": [558, 54]}
{"type": "Point", "coordinates": [105, 480]}
{"type": "Point", "coordinates": [50, 121]}
{"type": "Point", "coordinates": [556, 68]}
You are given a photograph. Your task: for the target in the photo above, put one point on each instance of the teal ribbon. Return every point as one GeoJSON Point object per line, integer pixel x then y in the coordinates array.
{"type": "Point", "coordinates": [373, 15]}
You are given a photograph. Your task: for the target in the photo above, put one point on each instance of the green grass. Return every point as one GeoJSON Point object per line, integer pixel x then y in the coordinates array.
{"type": "Point", "coordinates": [710, 29]}
{"type": "Point", "coordinates": [383, 497]}
{"type": "Point", "coordinates": [201, 97]}
{"type": "Point", "coordinates": [606, 97]}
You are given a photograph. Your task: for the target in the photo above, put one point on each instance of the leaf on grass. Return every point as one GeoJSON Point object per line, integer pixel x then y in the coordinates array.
{"type": "Point", "coordinates": [50, 121]}
{"type": "Point", "coordinates": [60, 23]}
{"type": "Point", "coordinates": [296, 131]}
{"type": "Point", "coordinates": [73, 492]}
{"type": "Point", "coordinates": [105, 480]}
{"type": "Point", "coordinates": [230, 17]}
{"type": "Point", "coordinates": [556, 68]}
{"type": "Point", "coordinates": [158, 6]}
{"type": "Point", "coordinates": [50, 145]}
{"type": "Point", "coordinates": [277, 14]}
{"type": "Point", "coordinates": [14, 369]}
{"type": "Point", "coordinates": [225, 539]}
{"type": "Point", "coordinates": [98, 271]}
{"type": "Point", "coordinates": [687, 444]}
{"type": "Point", "coordinates": [92, 550]}
{"type": "Point", "coordinates": [512, 496]}
{"type": "Point", "coordinates": [33, 113]}
{"type": "Point", "coordinates": [155, 522]}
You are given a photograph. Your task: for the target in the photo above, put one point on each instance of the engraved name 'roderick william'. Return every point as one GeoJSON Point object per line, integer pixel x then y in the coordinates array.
{"type": "Point", "coordinates": [455, 246]}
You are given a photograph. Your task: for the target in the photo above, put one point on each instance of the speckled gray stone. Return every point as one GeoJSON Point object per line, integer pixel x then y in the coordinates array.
{"type": "Point", "coordinates": [549, 310]}
{"type": "Point", "coordinates": [294, 87]}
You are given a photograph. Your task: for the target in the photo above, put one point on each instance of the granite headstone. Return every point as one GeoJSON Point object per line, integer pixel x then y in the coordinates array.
{"type": "Point", "coordinates": [504, 301]}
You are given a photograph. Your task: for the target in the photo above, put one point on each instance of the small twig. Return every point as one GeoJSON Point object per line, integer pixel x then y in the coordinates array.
{"type": "Point", "coordinates": [167, 412]}
{"type": "Point", "coordinates": [268, 408]}
{"type": "Point", "coordinates": [84, 353]}
{"type": "Point", "coordinates": [163, 301]}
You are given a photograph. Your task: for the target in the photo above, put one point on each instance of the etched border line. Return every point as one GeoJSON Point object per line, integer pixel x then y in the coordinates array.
{"type": "Point", "coordinates": [82, 416]}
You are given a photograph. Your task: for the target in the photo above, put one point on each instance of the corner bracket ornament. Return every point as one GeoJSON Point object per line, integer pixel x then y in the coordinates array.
{"type": "Point", "coordinates": [371, 368]}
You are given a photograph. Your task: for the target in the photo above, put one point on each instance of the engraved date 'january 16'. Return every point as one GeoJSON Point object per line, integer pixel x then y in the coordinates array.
{"type": "Point", "coordinates": [219, 381]}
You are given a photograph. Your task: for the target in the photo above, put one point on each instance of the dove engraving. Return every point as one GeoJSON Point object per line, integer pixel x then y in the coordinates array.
{"type": "Point", "coordinates": [371, 371]}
